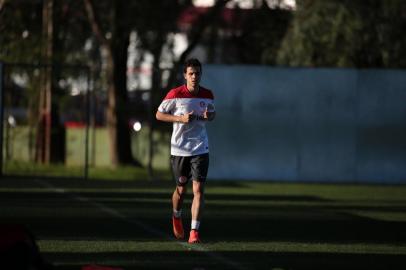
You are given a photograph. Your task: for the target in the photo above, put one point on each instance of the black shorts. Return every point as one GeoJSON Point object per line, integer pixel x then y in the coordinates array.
{"type": "Point", "coordinates": [186, 168]}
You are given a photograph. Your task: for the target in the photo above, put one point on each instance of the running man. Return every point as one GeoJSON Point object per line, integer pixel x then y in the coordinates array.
{"type": "Point", "coordinates": [188, 107]}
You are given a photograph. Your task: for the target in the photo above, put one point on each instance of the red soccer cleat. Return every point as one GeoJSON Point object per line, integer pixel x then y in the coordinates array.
{"type": "Point", "coordinates": [178, 228]}
{"type": "Point", "coordinates": [194, 237]}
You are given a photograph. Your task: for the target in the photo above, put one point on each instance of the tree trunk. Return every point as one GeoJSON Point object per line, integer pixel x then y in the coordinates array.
{"type": "Point", "coordinates": [116, 72]}
{"type": "Point", "coordinates": [43, 149]}
{"type": "Point", "coordinates": [123, 130]}
{"type": "Point", "coordinates": [156, 86]}
{"type": "Point", "coordinates": [111, 118]}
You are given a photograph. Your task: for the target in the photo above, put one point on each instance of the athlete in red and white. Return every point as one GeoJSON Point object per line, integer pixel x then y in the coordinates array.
{"type": "Point", "coordinates": [188, 107]}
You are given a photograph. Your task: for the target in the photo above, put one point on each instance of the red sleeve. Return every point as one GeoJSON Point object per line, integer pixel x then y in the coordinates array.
{"type": "Point", "coordinates": [171, 94]}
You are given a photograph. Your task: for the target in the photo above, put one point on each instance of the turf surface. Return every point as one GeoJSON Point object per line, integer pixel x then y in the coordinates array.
{"type": "Point", "coordinates": [247, 225]}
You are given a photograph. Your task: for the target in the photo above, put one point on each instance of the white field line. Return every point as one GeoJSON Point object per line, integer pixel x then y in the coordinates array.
{"type": "Point", "coordinates": [114, 213]}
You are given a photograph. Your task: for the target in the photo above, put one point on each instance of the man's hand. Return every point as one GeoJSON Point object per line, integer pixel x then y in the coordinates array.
{"type": "Point", "coordinates": [186, 118]}
{"type": "Point", "coordinates": [208, 116]}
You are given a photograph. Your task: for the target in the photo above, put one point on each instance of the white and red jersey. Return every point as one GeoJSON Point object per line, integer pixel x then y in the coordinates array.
{"type": "Point", "coordinates": [191, 138]}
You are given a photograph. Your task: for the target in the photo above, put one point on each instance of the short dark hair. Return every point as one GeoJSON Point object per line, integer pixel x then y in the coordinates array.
{"type": "Point", "coordinates": [192, 62]}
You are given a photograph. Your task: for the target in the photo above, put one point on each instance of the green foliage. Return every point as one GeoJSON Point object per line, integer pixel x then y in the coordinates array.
{"type": "Point", "coordinates": [20, 26]}
{"type": "Point", "coordinates": [73, 38]}
{"type": "Point", "coordinates": [127, 173]}
{"type": "Point", "coordinates": [21, 32]}
{"type": "Point", "coordinates": [392, 31]}
{"type": "Point", "coordinates": [335, 33]}
{"type": "Point", "coordinates": [346, 34]}
{"type": "Point", "coordinates": [261, 35]}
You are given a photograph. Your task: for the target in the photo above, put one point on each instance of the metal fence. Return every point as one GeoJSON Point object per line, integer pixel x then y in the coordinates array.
{"type": "Point", "coordinates": [46, 117]}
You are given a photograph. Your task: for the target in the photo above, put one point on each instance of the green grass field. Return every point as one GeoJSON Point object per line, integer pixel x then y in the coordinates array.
{"type": "Point", "coordinates": [247, 225]}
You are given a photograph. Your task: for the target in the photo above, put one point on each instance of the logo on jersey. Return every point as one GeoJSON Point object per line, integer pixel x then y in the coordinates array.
{"type": "Point", "coordinates": [202, 104]}
{"type": "Point", "coordinates": [182, 179]}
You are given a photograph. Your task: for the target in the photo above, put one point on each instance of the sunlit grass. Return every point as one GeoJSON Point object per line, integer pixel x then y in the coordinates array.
{"type": "Point", "coordinates": [101, 173]}
{"type": "Point", "coordinates": [99, 246]}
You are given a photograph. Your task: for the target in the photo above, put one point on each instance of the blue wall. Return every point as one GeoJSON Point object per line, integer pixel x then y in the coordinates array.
{"type": "Point", "coordinates": [307, 124]}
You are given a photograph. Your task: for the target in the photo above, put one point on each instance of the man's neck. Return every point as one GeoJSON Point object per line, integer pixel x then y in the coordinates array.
{"type": "Point", "coordinates": [193, 90]}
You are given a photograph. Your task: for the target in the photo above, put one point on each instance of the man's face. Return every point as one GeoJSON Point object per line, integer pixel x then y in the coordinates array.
{"type": "Point", "coordinates": [192, 76]}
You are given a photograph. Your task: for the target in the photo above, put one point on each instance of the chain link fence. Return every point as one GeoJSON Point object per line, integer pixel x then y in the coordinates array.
{"type": "Point", "coordinates": [46, 118]}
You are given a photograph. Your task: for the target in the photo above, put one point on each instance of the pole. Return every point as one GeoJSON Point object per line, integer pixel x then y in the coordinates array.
{"type": "Point", "coordinates": [1, 116]}
{"type": "Point", "coordinates": [87, 97]}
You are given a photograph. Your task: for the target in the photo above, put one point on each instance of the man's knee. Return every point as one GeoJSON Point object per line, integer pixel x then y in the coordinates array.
{"type": "Point", "coordinates": [181, 190]}
{"type": "Point", "coordinates": [198, 189]}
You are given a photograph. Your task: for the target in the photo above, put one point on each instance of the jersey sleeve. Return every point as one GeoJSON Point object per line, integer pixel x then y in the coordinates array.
{"type": "Point", "coordinates": [168, 104]}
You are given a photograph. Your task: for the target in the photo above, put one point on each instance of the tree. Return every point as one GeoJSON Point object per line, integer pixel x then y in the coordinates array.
{"type": "Point", "coordinates": [114, 43]}
{"type": "Point", "coordinates": [43, 149]}
{"type": "Point", "coordinates": [262, 34]}
{"type": "Point", "coordinates": [20, 26]}
{"type": "Point", "coordinates": [24, 41]}
{"type": "Point", "coordinates": [345, 34]}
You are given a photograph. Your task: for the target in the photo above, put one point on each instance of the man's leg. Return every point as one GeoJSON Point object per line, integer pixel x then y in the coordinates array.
{"type": "Point", "coordinates": [180, 169]}
{"type": "Point", "coordinates": [199, 169]}
{"type": "Point", "coordinates": [177, 198]}
{"type": "Point", "coordinates": [197, 210]}
{"type": "Point", "coordinates": [177, 202]}
{"type": "Point", "coordinates": [198, 201]}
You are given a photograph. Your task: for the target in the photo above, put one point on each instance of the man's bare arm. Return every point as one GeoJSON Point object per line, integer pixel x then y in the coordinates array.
{"type": "Point", "coordinates": [166, 117]}
{"type": "Point", "coordinates": [209, 116]}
